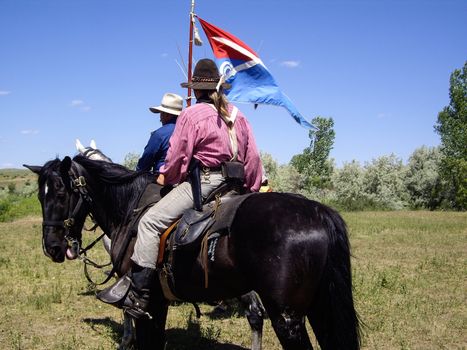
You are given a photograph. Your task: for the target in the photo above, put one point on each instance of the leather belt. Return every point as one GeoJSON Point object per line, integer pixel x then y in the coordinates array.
{"type": "Point", "coordinates": [215, 169]}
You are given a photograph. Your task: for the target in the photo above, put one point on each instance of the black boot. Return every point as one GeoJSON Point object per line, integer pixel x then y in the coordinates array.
{"type": "Point", "coordinates": [136, 303]}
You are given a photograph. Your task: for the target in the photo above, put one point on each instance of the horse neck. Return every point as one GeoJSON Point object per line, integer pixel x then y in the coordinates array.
{"type": "Point", "coordinates": [112, 204]}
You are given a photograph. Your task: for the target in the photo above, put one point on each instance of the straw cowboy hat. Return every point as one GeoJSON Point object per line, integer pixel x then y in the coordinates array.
{"type": "Point", "coordinates": [171, 103]}
{"type": "Point", "coordinates": [206, 77]}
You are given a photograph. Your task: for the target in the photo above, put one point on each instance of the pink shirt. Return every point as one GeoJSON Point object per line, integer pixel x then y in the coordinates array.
{"type": "Point", "coordinates": [202, 134]}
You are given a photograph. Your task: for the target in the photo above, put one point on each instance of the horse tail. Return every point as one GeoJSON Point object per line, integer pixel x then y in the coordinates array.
{"type": "Point", "coordinates": [333, 316]}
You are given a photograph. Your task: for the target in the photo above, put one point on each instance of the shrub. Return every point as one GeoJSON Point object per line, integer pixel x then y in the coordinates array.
{"type": "Point", "coordinates": [384, 184]}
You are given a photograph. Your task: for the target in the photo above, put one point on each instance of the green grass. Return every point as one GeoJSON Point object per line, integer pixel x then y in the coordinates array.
{"type": "Point", "coordinates": [409, 271]}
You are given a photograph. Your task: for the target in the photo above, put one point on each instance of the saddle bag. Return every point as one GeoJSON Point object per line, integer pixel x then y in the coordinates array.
{"type": "Point", "coordinates": [233, 171]}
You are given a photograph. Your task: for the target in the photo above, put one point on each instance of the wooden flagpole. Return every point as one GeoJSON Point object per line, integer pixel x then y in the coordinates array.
{"type": "Point", "coordinates": [190, 50]}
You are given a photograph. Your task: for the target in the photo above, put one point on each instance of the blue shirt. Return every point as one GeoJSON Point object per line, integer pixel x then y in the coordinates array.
{"type": "Point", "coordinates": [155, 151]}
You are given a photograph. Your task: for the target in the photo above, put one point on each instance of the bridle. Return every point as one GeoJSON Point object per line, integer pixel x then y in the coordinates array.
{"type": "Point", "coordinates": [78, 185]}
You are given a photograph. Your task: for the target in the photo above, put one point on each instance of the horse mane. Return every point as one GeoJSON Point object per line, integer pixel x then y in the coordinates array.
{"type": "Point", "coordinates": [123, 186]}
{"type": "Point", "coordinates": [110, 173]}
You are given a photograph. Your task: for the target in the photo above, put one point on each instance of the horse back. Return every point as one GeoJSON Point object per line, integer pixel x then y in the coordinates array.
{"type": "Point", "coordinates": [281, 244]}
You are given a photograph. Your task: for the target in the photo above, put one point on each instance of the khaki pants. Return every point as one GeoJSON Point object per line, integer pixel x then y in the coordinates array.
{"type": "Point", "coordinates": [160, 216]}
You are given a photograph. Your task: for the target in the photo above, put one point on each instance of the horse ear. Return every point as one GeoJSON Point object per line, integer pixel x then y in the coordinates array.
{"type": "Point", "coordinates": [65, 165]}
{"type": "Point", "coordinates": [79, 146]}
{"type": "Point", "coordinates": [93, 144]}
{"type": "Point", "coordinates": [34, 168]}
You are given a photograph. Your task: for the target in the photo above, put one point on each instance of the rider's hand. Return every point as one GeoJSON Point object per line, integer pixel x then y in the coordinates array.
{"type": "Point", "coordinates": [161, 179]}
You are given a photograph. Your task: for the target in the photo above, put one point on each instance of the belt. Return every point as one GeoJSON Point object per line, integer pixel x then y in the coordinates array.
{"type": "Point", "coordinates": [216, 169]}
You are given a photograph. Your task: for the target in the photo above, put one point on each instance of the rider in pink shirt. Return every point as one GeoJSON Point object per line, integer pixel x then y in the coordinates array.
{"type": "Point", "coordinates": [202, 134]}
{"type": "Point", "coordinates": [213, 131]}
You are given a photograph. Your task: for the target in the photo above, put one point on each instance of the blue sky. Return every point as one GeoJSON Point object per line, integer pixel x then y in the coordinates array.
{"type": "Point", "coordinates": [89, 69]}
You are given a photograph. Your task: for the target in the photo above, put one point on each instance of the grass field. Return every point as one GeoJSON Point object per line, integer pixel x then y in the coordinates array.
{"type": "Point", "coordinates": [409, 269]}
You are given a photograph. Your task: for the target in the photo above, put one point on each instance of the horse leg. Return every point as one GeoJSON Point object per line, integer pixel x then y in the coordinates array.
{"type": "Point", "coordinates": [128, 337]}
{"type": "Point", "coordinates": [289, 326]}
{"type": "Point", "coordinates": [255, 314]}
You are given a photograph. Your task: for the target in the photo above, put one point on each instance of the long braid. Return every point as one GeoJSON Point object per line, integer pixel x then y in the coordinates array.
{"type": "Point", "coordinates": [220, 102]}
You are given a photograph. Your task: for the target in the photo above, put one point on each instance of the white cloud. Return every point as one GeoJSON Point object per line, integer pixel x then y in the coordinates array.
{"type": "Point", "coordinates": [75, 103]}
{"type": "Point", "coordinates": [4, 92]}
{"type": "Point", "coordinates": [290, 64]}
{"type": "Point", "coordinates": [29, 132]}
{"type": "Point", "coordinates": [81, 105]}
{"type": "Point", "coordinates": [164, 55]}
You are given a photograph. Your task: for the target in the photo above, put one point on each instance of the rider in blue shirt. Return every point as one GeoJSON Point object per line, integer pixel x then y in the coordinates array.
{"type": "Point", "coordinates": [155, 151]}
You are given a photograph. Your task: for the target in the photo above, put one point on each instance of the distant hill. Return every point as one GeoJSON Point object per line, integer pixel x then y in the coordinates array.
{"type": "Point", "coordinates": [17, 181]}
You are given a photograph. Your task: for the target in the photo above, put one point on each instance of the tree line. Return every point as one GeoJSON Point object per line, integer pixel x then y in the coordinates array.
{"type": "Point", "coordinates": [433, 177]}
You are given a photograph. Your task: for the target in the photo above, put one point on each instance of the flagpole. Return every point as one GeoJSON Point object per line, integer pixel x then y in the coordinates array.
{"type": "Point", "coordinates": [190, 50]}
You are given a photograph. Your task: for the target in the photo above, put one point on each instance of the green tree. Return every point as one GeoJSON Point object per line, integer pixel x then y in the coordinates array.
{"type": "Point", "coordinates": [348, 186]}
{"type": "Point", "coordinates": [314, 163]}
{"type": "Point", "coordinates": [270, 166]}
{"type": "Point", "coordinates": [422, 179]}
{"type": "Point", "coordinates": [130, 160]}
{"type": "Point", "coordinates": [383, 182]}
{"type": "Point", "coordinates": [288, 179]}
{"type": "Point", "coordinates": [452, 128]}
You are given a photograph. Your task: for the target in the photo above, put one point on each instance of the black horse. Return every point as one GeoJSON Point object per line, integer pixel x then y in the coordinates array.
{"type": "Point", "coordinates": [252, 306]}
{"type": "Point", "coordinates": [292, 251]}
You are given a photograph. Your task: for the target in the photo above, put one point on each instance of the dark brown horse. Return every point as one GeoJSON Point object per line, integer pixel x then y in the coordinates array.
{"type": "Point", "coordinates": [292, 251]}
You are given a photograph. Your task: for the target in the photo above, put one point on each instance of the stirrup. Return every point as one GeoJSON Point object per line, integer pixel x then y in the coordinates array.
{"type": "Point", "coordinates": [116, 293]}
{"type": "Point", "coordinates": [132, 307]}
{"type": "Point", "coordinates": [137, 313]}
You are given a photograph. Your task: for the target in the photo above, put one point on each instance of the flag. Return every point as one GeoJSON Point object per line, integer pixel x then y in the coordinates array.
{"type": "Point", "coordinates": [250, 80]}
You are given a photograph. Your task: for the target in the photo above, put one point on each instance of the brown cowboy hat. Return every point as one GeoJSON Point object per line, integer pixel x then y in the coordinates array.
{"type": "Point", "coordinates": [205, 76]}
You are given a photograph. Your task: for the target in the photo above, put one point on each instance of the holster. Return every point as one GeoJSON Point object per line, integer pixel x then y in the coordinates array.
{"type": "Point", "coordinates": [195, 180]}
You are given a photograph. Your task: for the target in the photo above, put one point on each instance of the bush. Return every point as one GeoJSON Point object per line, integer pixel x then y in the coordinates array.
{"type": "Point", "coordinates": [348, 184]}
{"type": "Point", "coordinates": [423, 180]}
{"type": "Point", "coordinates": [14, 207]}
{"type": "Point", "coordinates": [384, 182]}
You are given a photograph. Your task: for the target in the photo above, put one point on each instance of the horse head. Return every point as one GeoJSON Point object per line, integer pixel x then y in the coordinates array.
{"type": "Point", "coordinates": [62, 193]}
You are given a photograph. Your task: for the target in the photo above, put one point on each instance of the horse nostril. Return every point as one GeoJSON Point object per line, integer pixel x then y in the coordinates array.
{"type": "Point", "coordinates": [54, 251]}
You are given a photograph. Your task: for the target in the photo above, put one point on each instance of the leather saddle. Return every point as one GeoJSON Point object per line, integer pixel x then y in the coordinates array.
{"type": "Point", "coordinates": [186, 235]}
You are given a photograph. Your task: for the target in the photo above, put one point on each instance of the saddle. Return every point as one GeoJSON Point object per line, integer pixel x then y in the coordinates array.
{"type": "Point", "coordinates": [190, 233]}
{"type": "Point", "coordinates": [196, 234]}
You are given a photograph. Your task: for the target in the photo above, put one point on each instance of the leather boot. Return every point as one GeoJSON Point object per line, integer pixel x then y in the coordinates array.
{"type": "Point", "coordinates": [136, 303]}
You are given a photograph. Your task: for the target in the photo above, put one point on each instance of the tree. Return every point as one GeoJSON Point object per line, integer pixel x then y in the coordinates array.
{"type": "Point", "coordinates": [348, 184]}
{"type": "Point", "coordinates": [130, 160]}
{"type": "Point", "coordinates": [383, 182]}
{"type": "Point", "coordinates": [452, 128]}
{"type": "Point", "coordinates": [314, 163]}
{"type": "Point", "coordinates": [422, 179]}
{"type": "Point", "coordinates": [288, 179]}
{"type": "Point", "coordinates": [270, 166]}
